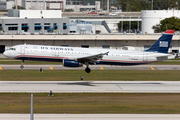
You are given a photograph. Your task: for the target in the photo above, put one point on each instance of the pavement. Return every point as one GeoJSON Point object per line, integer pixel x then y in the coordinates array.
{"type": "Point", "coordinates": [91, 117]}
{"type": "Point", "coordinates": [93, 67]}
{"type": "Point", "coordinates": [90, 86]}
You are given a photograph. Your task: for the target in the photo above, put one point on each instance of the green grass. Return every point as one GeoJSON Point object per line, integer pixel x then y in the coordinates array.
{"type": "Point", "coordinates": [95, 75]}
{"type": "Point", "coordinates": [90, 103]}
{"type": "Point", "coordinates": [169, 62]}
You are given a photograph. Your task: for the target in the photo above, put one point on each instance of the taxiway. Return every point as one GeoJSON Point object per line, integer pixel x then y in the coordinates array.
{"type": "Point", "coordinates": [93, 67]}
{"type": "Point", "coordinates": [91, 116]}
{"type": "Point", "coordinates": [91, 86]}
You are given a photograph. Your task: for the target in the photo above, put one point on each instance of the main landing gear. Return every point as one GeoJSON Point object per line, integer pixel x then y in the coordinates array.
{"type": "Point", "coordinates": [88, 70]}
{"type": "Point", "coordinates": [22, 64]}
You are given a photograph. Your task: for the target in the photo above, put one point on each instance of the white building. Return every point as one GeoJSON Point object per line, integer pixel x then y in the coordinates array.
{"type": "Point", "coordinates": [88, 7]}
{"type": "Point", "coordinates": [44, 4]}
{"type": "Point", "coordinates": [153, 17]}
{"type": "Point", "coordinates": [49, 5]}
{"type": "Point", "coordinates": [40, 14]}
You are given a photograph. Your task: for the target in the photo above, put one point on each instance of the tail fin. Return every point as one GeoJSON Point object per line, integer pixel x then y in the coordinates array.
{"type": "Point", "coordinates": [163, 43]}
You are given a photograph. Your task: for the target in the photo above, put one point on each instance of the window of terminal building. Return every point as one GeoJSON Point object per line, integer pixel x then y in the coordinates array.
{"type": "Point", "coordinates": [85, 46]}
{"type": "Point", "coordinates": [55, 26]}
{"type": "Point", "coordinates": [11, 24]}
{"type": "Point", "coordinates": [2, 48]}
{"type": "Point", "coordinates": [24, 27]}
{"type": "Point", "coordinates": [64, 45]}
{"type": "Point", "coordinates": [1, 27]}
{"type": "Point", "coordinates": [106, 46]}
{"type": "Point", "coordinates": [12, 28]}
{"type": "Point", "coordinates": [64, 26]}
{"type": "Point", "coordinates": [47, 26]}
{"type": "Point", "coordinates": [37, 26]}
{"type": "Point", "coordinates": [47, 23]}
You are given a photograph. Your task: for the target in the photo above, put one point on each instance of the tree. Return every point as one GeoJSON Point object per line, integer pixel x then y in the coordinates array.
{"type": "Point", "coordinates": [172, 23]}
{"type": "Point", "coordinates": [138, 5]}
{"type": "Point", "coordinates": [156, 28]}
{"type": "Point", "coordinates": [134, 5]}
{"type": "Point", "coordinates": [18, 7]}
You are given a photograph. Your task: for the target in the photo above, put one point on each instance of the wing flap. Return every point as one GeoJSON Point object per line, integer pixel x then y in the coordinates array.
{"type": "Point", "coordinates": [91, 58]}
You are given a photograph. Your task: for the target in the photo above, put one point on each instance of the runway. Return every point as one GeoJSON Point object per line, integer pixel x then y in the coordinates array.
{"type": "Point", "coordinates": [90, 86]}
{"type": "Point", "coordinates": [93, 67]}
{"type": "Point", "coordinates": [91, 116]}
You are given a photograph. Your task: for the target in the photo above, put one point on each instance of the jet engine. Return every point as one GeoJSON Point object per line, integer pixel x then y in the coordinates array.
{"type": "Point", "coordinates": [71, 63]}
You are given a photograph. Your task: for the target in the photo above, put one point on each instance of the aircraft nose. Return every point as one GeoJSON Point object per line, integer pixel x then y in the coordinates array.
{"type": "Point", "coordinates": [5, 53]}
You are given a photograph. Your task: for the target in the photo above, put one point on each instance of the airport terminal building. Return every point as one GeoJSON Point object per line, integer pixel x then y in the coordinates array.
{"type": "Point", "coordinates": [22, 21]}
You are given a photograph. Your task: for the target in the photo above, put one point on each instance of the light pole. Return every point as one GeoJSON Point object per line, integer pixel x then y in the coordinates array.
{"type": "Point", "coordinates": [32, 116]}
{"type": "Point", "coordinates": [122, 23]}
{"type": "Point", "coordinates": [138, 24]}
{"type": "Point", "coordinates": [130, 24]}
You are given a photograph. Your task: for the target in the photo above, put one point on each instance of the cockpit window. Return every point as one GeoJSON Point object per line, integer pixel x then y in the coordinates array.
{"type": "Point", "coordinates": [12, 49]}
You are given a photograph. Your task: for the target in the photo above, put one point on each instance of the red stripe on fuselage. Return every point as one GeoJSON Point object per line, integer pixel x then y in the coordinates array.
{"type": "Point", "coordinates": [104, 60]}
{"type": "Point", "coordinates": [40, 57]}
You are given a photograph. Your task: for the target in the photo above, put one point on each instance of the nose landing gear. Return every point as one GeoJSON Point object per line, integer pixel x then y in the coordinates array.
{"type": "Point", "coordinates": [22, 64]}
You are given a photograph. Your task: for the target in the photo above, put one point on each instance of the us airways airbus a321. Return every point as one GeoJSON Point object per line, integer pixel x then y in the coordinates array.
{"type": "Point", "coordinates": [76, 57]}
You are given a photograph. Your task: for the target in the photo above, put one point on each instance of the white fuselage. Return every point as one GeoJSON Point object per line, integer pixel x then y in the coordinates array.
{"type": "Point", "coordinates": [58, 53]}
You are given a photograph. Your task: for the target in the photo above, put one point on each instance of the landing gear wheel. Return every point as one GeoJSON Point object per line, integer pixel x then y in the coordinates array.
{"type": "Point", "coordinates": [88, 70]}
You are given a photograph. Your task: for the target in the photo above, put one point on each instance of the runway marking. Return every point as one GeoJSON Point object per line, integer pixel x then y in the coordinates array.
{"type": "Point", "coordinates": [119, 86]}
{"type": "Point", "coordinates": [101, 68]}
{"type": "Point", "coordinates": [51, 68]}
{"type": "Point", "coordinates": [152, 68]}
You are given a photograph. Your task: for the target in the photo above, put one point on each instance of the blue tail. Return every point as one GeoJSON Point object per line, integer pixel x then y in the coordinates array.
{"type": "Point", "coordinates": [163, 43]}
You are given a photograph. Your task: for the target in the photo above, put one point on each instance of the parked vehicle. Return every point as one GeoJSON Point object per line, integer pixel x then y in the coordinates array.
{"type": "Point", "coordinates": [102, 14]}
{"type": "Point", "coordinates": [92, 12]}
{"type": "Point", "coordinates": [114, 14]}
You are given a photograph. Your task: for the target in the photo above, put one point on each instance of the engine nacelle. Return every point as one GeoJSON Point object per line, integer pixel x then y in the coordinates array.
{"type": "Point", "coordinates": [71, 63]}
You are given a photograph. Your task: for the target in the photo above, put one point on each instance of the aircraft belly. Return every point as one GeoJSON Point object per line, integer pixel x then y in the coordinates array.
{"type": "Point", "coordinates": [125, 61]}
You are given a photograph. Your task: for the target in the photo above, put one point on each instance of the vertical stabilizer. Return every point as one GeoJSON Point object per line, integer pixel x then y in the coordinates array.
{"type": "Point", "coordinates": [163, 43]}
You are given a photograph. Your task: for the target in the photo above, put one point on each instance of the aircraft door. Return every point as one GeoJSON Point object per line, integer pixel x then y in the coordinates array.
{"type": "Point", "coordinates": [145, 56]}
{"type": "Point", "coordinates": [22, 51]}
{"type": "Point", "coordinates": [56, 52]}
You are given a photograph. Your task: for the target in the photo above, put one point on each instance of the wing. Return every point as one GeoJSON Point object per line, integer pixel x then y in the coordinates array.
{"type": "Point", "coordinates": [92, 59]}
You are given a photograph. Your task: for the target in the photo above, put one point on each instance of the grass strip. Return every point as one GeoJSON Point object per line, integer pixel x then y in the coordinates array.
{"type": "Point", "coordinates": [95, 75]}
{"type": "Point", "coordinates": [90, 103]}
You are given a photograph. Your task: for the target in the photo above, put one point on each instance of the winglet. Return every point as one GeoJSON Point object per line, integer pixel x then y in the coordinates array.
{"type": "Point", "coordinates": [169, 32]}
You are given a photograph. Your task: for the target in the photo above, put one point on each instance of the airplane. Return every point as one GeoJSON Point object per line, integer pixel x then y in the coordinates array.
{"type": "Point", "coordinates": [77, 57]}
